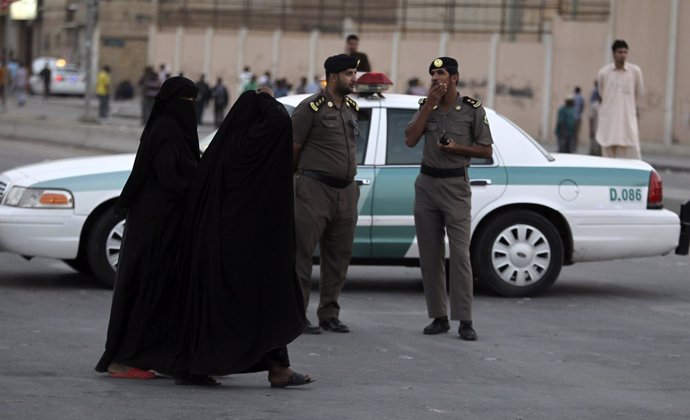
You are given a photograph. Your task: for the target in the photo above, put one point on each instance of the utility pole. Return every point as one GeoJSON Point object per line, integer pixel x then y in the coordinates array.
{"type": "Point", "coordinates": [91, 6]}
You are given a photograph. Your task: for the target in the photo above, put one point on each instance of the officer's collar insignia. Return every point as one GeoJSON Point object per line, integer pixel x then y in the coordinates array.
{"type": "Point", "coordinates": [458, 108]}
{"type": "Point", "coordinates": [316, 103]}
{"type": "Point", "coordinates": [435, 107]}
{"type": "Point", "coordinates": [330, 104]}
{"type": "Point", "coordinates": [351, 103]}
{"type": "Point", "coordinates": [475, 103]}
{"type": "Point", "coordinates": [438, 63]}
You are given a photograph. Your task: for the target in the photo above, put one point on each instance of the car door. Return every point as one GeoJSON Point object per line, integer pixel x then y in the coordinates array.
{"type": "Point", "coordinates": [397, 166]}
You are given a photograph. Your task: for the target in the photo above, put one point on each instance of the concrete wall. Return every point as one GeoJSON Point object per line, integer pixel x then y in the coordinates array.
{"type": "Point", "coordinates": [579, 49]}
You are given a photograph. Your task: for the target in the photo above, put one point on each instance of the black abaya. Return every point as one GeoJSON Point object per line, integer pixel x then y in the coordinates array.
{"type": "Point", "coordinates": [242, 296]}
{"type": "Point", "coordinates": [140, 332]}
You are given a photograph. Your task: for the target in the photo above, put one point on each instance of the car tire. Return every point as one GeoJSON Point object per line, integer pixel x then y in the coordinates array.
{"type": "Point", "coordinates": [80, 264]}
{"type": "Point", "coordinates": [103, 246]}
{"type": "Point", "coordinates": [518, 254]}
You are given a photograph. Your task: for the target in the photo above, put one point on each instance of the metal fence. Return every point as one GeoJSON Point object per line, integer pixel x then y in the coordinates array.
{"type": "Point", "coordinates": [506, 17]}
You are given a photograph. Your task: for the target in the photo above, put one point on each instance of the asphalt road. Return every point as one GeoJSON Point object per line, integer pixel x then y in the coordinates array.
{"type": "Point", "coordinates": [608, 340]}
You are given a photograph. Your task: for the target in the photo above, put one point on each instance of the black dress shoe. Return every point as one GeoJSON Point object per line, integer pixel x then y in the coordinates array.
{"type": "Point", "coordinates": [334, 324]}
{"type": "Point", "coordinates": [466, 331]}
{"type": "Point", "coordinates": [438, 326]}
{"type": "Point", "coordinates": [310, 328]}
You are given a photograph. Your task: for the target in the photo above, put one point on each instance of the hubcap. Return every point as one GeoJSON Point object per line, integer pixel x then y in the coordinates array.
{"type": "Point", "coordinates": [113, 244]}
{"type": "Point", "coordinates": [521, 255]}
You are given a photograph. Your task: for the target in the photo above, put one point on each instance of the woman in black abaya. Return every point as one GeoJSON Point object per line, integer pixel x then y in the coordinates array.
{"type": "Point", "coordinates": [243, 301]}
{"type": "Point", "coordinates": [141, 334]}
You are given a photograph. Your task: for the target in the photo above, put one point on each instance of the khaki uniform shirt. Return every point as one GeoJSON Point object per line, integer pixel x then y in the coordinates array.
{"type": "Point", "coordinates": [619, 90]}
{"type": "Point", "coordinates": [465, 123]}
{"type": "Point", "coordinates": [328, 135]}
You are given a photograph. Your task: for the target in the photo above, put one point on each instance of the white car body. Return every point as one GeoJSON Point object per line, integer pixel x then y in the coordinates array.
{"type": "Point", "coordinates": [573, 193]}
{"type": "Point", "coordinates": [66, 79]}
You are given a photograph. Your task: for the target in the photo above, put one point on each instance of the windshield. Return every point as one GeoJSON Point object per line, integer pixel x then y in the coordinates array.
{"type": "Point", "coordinates": [536, 144]}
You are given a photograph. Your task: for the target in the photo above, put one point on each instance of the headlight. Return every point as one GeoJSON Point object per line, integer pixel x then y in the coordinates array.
{"type": "Point", "coordinates": [39, 198]}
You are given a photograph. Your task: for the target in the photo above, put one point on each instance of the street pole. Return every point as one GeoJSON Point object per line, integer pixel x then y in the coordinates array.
{"type": "Point", "coordinates": [88, 67]}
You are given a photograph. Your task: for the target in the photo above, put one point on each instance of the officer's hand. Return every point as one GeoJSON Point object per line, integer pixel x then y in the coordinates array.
{"type": "Point", "coordinates": [436, 93]}
{"type": "Point", "coordinates": [451, 147]}
{"type": "Point", "coordinates": [265, 89]}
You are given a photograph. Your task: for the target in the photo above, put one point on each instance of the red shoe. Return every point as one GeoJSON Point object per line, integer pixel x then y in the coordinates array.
{"type": "Point", "coordinates": [133, 373]}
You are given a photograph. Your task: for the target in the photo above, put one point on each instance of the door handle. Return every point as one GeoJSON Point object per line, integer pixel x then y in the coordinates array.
{"type": "Point", "coordinates": [363, 181]}
{"type": "Point", "coordinates": [480, 182]}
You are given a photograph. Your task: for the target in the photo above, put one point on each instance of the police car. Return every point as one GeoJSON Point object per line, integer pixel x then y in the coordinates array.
{"type": "Point", "coordinates": [532, 211]}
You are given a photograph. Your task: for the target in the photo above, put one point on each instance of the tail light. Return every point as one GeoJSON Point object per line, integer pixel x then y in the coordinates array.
{"type": "Point", "coordinates": [655, 194]}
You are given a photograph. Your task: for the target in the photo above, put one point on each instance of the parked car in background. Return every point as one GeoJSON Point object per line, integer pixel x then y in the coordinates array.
{"type": "Point", "coordinates": [532, 211]}
{"type": "Point", "coordinates": [66, 78]}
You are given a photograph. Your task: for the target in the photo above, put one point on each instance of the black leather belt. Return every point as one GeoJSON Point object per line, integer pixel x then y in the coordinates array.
{"type": "Point", "coordinates": [442, 173]}
{"type": "Point", "coordinates": [325, 179]}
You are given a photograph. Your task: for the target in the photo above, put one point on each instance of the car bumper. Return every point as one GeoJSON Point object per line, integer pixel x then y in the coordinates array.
{"type": "Point", "coordinates": [40, 232]}
{"type": "Point", "coordinates": [626, 234]}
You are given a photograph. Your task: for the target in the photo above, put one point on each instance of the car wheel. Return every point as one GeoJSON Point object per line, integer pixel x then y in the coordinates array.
{"type": "Point", "coordinates": [80, 264]}
{"type": "Point", "coordinates": [104, 241]}
{"type": "Point", "coordinates": [518, 254]}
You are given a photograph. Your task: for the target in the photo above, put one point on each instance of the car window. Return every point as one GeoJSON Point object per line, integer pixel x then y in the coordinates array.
{"type": "Point", "coordinates": [397, 152]}
{"type": "Point", "coordinates": [364, 123]}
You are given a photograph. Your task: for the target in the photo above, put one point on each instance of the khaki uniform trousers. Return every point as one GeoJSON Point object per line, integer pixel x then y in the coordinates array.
{"type": "Point", "coordinates": [443, 205]}
{"type": "Point", "coordinates": [326, 216]}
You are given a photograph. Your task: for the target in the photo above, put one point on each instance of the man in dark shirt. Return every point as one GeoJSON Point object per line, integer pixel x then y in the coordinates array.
{"type": "Point", "coordinates": [351, 46]}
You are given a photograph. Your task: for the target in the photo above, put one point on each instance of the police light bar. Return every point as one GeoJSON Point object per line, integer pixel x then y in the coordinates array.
{"type": "Point", "coordinates": [372, 83]}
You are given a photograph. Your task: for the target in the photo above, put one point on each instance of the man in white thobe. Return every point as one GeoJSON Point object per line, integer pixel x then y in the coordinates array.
{"type": "Point", "coordinates": [620, 85]}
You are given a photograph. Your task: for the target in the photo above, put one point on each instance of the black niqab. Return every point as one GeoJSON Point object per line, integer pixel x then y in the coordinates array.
{"type": "Point", "coordinates": [173, 118]}
{"type": "Point", "coordinates": [238, 266]}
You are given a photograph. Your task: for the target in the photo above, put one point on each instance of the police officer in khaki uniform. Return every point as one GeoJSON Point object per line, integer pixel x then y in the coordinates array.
{"type": "Point", "coordinates": [324, 134]}
{"type": "Point", "coordinates": [455, 129]}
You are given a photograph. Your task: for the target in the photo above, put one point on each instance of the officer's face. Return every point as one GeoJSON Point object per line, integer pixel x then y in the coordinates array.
{"type": "Point", "coordinates": [441, 76]}
{"type": "Point", "coordinates": [345, 81]}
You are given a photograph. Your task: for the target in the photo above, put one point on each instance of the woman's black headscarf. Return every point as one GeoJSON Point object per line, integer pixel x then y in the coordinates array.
{"type": "Point", "coordinates": [238, 265]}
{"type": "Point", "coordinates": [173, 118]}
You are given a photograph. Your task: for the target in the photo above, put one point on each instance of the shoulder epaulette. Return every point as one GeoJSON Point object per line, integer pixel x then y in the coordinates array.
{"type": "Point", "coordinates": [475, 103]}
{"type": "Point", "coordinates": [421, 101]}
{"type": "Point", "coordinates": [351, 103]}
{"type": "Point", "coordinates": [316, 103]}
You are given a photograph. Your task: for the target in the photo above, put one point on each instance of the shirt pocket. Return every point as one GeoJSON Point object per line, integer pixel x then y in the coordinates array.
{"type": "Point", "coordinates": [461, 130]}
{"type": "Point", "coordinates": [330, 121]}
{"type": "Point", "coordinates": [431, 126]}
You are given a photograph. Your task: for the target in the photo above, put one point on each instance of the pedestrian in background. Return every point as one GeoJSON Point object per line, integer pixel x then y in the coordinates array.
{"type": "Point", "coordinates": [46, 77]}
{"type": "Point", "coordinates": [566, 126]}
{"type": "Point", "coordinates": [103, 92]}
{"type": "Point", "coordinates": [221, 99]}
{"type": "Point", "coordinates": [351, 49]}
{"type": "Point", "coordinates": [19, 83]}
{"type": "Point", "coordinates": [325, 133]}
{"type": "Point", "coordinates": [142, 335]}
{"type": "Point", "coordinates": [314, 86]}
{"type": "Point", "coordinates": [150, 85]}
{"type": "Point", "coordinates": [251, 84]}
{"type": "Point", "coordinates": [620, 86]}
{"type": "Point", "coordinates": [3, 82]}
{"type": "Point", "coordinates": [594, 104]}
{"type": "Point", "coordinates": [579, 107]}
{"type": "Point", "coordinates": [302, 87]}
{"type": "Point", "coordinates": [455, 129]}
{"type": "Point", "coordinates": [202, 98]}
